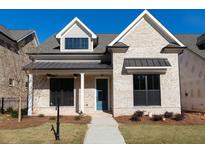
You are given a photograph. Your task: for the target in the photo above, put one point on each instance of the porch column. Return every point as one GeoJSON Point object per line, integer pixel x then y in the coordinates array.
{"type": "Point", "coordinates": [82, 92]}
{"type": "Point", "coordinates": [30, 94]}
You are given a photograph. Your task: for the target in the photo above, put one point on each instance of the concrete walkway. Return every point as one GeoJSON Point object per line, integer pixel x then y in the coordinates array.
{"type": "Point", "coordinates": [103, 130]}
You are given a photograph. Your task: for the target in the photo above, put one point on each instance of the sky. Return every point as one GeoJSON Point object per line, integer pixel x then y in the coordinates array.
{"type": "Point", "coordinates": [49, 22]}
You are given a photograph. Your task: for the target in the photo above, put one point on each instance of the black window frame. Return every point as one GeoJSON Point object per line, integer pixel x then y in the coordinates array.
{"type": "Point", "coordinates": [76, 43]}
{"type": "Point", "coordinates": [155, 88]}
{"type": "Point", "coordinates": [70, 104]}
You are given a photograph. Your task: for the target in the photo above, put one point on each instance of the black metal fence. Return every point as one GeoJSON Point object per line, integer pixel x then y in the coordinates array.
{"type": "Point", "coordinates": [11, 102]}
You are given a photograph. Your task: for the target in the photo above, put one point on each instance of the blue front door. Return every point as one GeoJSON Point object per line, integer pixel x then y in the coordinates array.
{"type": "Point", "coordinates": [102, 94]}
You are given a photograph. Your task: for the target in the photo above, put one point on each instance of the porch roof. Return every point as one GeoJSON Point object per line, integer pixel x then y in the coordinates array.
{"type": "Point", "coordinates": [65, 66]}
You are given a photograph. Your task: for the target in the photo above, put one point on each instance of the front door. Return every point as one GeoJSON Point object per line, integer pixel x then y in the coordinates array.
{"type": "Point", "coordinates": [102, 94]}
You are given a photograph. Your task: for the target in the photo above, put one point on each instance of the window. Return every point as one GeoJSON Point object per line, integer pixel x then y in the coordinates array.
{"type": "Point", "coordinates": [11, 82]}
{"type": "Point", "coordinates": [76, 43]}
{"type": "Point", "coordinates": [146, 90]}
{"type": "Point", "coordinates": [61, 90]}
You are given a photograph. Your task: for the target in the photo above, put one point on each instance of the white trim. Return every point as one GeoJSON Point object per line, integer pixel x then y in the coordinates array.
{"type": "Point", "coordinates": [30, 94]}
{"type": "Point", "coordinates": [141, 68]}
{"type": "Point", "coordinates": [36, 38]}
{"type": "Point", "coordinates": [70, 24]}
{"type": "Point", "coordinates": [95, 100]}
{"type": "Point", "coordinates": [82, 88]}
{"type": "Point", "coordinates": [144, 13]}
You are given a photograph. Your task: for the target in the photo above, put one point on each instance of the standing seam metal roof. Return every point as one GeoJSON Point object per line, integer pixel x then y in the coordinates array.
{"type": "Point", "coordinates": [64, 66]}
{"type": "Point", "coordinates": [146, 62]}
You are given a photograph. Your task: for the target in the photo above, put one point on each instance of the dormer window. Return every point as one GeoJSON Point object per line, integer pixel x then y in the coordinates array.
{"type": "Point", "coordinates": [76, 37]}
{"type": "Point", "coordinates": [76, 43]}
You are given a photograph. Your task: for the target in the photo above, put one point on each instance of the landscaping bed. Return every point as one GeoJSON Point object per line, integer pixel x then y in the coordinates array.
{"type": "Point", "coordinates": [189, 119]}
{"type": "Point", "coordinates": [167, 128]}
{"type": "Point", "coordinates": [7, 122]}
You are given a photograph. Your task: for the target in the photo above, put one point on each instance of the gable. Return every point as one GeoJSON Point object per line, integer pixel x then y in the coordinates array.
{"type": "Point", "coordinates": [143, 35]}
{"type": "Point", "coordinates": [76, 21]}
{"type": "Point", "coordinates": [152, 21]}
{"type": "Point", "coordinates": [144, 41]}
{"type": "Point", "coordinates": [76, 31]}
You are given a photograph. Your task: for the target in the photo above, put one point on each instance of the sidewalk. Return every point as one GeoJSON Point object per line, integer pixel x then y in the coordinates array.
{"type": "Point", "coordinates": [103, 130]}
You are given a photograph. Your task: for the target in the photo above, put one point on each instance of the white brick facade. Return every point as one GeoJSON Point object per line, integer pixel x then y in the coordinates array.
{"type": "Point", "coordinates": [145, 42]}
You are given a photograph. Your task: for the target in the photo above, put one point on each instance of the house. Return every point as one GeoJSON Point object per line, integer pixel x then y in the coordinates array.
{"type": "Point", "coordinates": [13, 43]}
{"type": "Point", "coordinates": [83, 71]}
{"type": "Point", "coordinates": [192, 73]}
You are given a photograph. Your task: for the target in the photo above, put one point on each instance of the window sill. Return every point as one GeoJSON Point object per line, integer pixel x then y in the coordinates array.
{"type": "Point", "coordinates": [62, 106]}
{"type": "Point", "coordinates": [146, 106]}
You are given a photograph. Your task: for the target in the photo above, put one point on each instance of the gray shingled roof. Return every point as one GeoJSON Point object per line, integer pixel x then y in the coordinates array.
{"type": "Point", "coordinates": [146, 62]}
{"type": "Point", "coordinates": [52, 45]}
{"type": "Point", "coordinates": [190, 41]}
{"type": "Point", "coordinates": [64, 66]}
{"type": "Point", "coordinates": [15, 35]}
{"type": "Point", "coordinates": [120, 45]}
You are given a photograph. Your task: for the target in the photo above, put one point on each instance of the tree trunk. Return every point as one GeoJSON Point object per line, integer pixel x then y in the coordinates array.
{"type": "Point", "coordinates": [19, 110]}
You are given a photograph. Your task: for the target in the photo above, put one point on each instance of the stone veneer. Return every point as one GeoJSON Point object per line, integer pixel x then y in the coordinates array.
{"type": "Point", "coordinates": [6, 71]}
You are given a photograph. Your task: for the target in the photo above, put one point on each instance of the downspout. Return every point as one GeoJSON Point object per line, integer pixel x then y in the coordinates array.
{"type": "Point", "coordinates": [180, 79]}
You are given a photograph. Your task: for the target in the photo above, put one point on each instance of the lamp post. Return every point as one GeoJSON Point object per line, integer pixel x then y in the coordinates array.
{"type": "Point", "coordinates": [58, 123]}
{"type": "Point", "coordinates": [57, 131]}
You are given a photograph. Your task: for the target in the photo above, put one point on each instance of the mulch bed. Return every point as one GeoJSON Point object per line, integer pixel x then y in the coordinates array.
{"type": "Point", "coordinates": [12, 123]}
{"type": "Point", "coordinates": [190, 119]}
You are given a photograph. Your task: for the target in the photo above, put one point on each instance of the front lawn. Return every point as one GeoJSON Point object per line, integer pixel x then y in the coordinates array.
{"type": "Point", "coordinates": [158, 133]}
{"type": "Point", "coordinates": [37, 129]}
{"type": "Point", "coordinates": [69, 133]}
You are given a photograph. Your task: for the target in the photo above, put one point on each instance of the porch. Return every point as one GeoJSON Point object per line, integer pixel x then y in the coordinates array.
{"type": "Point", "coordinates": [76, 86]}
{"type": "Point", "coordinates": [76, 91]}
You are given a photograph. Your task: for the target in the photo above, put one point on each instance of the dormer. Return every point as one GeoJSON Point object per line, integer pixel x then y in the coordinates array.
{"type": "Point", "coordinates": [76, 37]}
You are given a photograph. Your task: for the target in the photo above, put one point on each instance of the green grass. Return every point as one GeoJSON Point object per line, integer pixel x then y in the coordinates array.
{"type": "Point", "coordinates": [167, 134]}
{"type": "Point", "coordinates": [69, 133]}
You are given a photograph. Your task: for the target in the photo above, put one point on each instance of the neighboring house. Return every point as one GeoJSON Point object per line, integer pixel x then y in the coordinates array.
{"type": "Point", "coordinates": [83, 71]}
{"type": "Point", "coordinates": [192, 72]}
{"type": "Point", "coordinates": [13, 43]}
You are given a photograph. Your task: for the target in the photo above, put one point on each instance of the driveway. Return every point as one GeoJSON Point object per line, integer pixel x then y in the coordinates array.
{"type": "Point", "coordinates": [103, 130]}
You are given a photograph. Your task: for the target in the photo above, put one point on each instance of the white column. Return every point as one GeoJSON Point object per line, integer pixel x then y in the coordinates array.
{"type": "Point", "coordinates": [82, 92]}
{"type": "Point", "coordinates": [30, 94]}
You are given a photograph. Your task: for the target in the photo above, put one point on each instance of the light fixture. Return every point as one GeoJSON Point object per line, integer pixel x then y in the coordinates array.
{"type": "Point", "coordinates": [75, 76]}
{"type": "Point", "coordinates": [49, 76]}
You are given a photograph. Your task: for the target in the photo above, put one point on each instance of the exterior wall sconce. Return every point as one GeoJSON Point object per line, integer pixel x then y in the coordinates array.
{"type": "Point", "coordinates": [75, 76]}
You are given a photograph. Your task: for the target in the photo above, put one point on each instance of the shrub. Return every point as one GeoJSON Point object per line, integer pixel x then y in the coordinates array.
{"type": "Point", "coordinates": [168, 114]}
{"type": "Point", "coordinates": [79, 116]}
{"type": "Point", "coordinates": [179, 117]}
{"type": "Point", "coordinates": [41, 115]}
{"type": "Point", "coordinates": [14, 114]}
{"type": "Point", "coordinates": [157, 117]}
{"type": "Point", "coordinates": [136, 116]}
{"type": "Point", "coordinates": [9, 110]}
{"type": "Point", "coordinates": [52, 118]}
{"type": "Point", "coordinates": [24, 111]}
